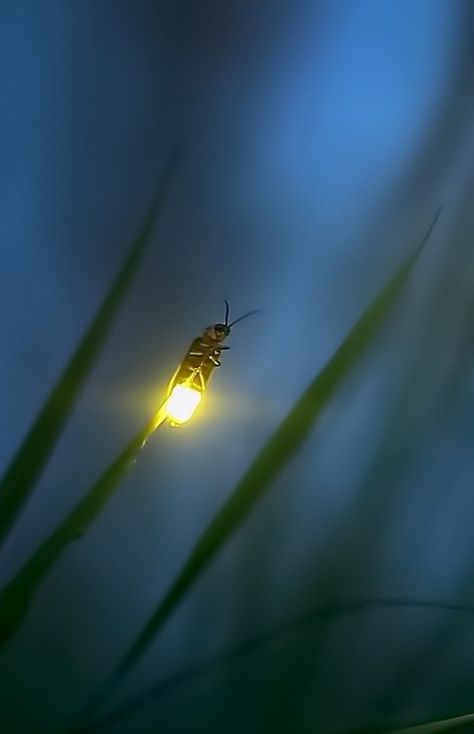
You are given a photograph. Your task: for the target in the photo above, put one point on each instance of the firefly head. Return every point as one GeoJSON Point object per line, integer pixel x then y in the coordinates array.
{"type": "Point", "coordinates": [218, 332]}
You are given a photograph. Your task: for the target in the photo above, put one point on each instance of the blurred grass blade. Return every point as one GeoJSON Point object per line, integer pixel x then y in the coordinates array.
{"type": "Point", "coordinates": [435, 726]}
{"type": "Point", "coordinates": [240, 652]}
{"type": "Point", "coordinates": [38, 445]}
{"type": "Point", "coordinates": [276, 454]}
{"type": "Point", "coordinates": [17, 595]}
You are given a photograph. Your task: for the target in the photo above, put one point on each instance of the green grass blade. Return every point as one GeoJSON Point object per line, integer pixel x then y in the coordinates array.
{"type": "Point", "coordinates": [435, 726]}
{"type": "Point", "coordinates": [17, 595]}
{"type": "Point", "coordinates": [38, 445]}
{"type": "Point", "coordinates": [253, 645]}
{"type": "Point", "coordinates": [276, 454]}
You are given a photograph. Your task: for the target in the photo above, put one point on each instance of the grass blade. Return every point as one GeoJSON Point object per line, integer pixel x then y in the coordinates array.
{"type": "Point", "coordinates": [434, 726]}
{"type": "Point", "coordinates": [323, 615]}
{"type": "Point", "coordinates": [17, 595]}
{"type": "Point", "coordinates": [39, 443]}
{"type": "Point", "coordinates": [276, 454]}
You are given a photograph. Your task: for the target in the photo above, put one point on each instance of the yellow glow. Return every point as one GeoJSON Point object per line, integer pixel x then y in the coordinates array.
{"type": "Point", "coordinates": [182, 403]}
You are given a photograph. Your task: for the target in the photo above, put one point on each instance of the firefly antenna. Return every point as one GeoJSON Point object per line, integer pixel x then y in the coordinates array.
{"type": "Point", "coordinates": [250, 313]}
{"type": "Point", "coordinates": [227, 309]}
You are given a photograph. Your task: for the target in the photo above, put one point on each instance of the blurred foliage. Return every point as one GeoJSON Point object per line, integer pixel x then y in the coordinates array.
{"type": "Point", "coordinates": [319, 137]}
{"type": "Point", "coordinates": [271, 461]}
{"type": "Point", "coordinates": [28, 463]}
{"type": "Point", "coordinates": [280, 449]}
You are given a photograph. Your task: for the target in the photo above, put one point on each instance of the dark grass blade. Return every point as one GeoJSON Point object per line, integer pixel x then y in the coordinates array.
{"type": "Point", "coordinates": [323, 615]}
{"type": "Point", "coordinates": [38, 445]}
{"type": "Point", "coordinates": [17, 595]}
{"type": "Point", "coordinates": [462, 723]}
{"type": "Point", "coordinates": [276, 454]}
{"type": "Point", "coordinates": [456, 722]}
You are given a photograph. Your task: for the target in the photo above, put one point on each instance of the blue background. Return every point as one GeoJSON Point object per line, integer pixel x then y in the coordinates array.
{"type": "Point", "coordinates": [318, 139]}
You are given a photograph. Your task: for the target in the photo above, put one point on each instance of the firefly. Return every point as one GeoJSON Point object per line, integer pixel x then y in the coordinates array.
{"type": "Point", "coordinates": [192, 376]}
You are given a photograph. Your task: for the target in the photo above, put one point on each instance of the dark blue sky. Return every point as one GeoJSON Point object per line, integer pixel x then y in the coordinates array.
{"type": "Point", "coordinates": [318, 140]}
